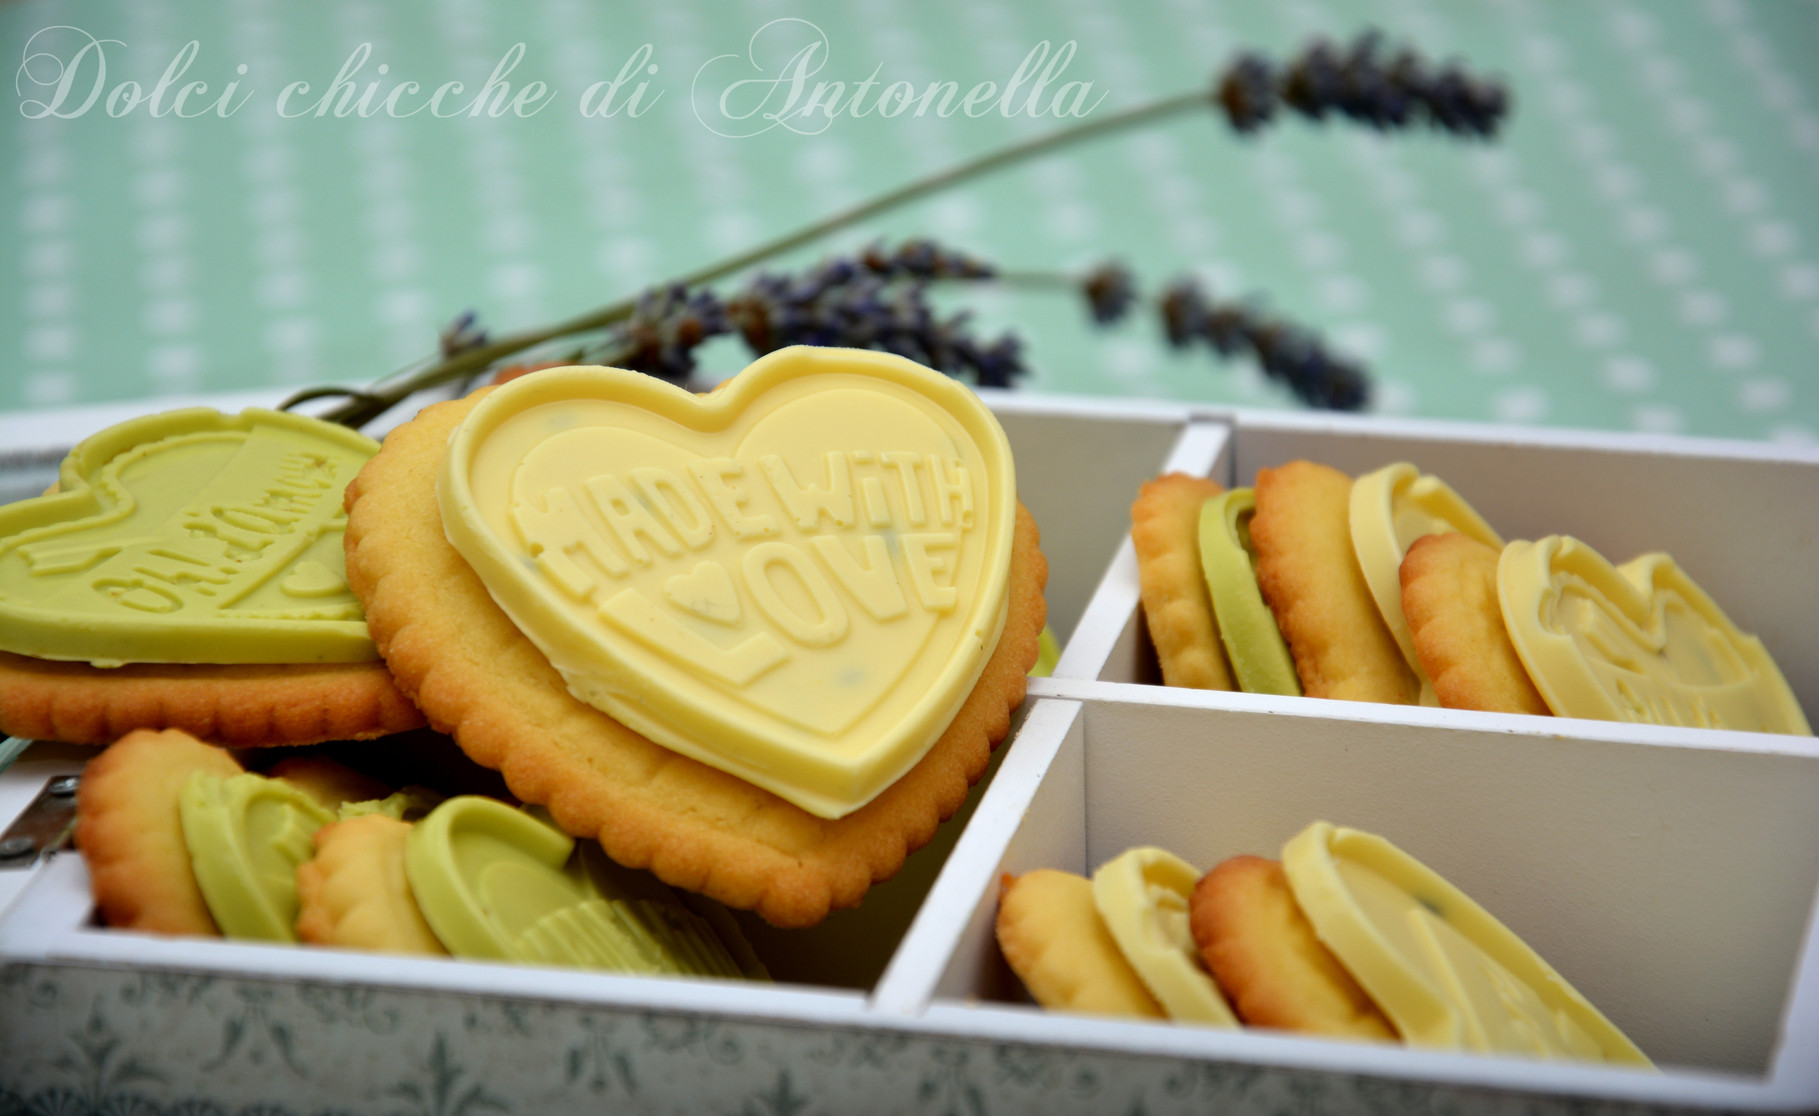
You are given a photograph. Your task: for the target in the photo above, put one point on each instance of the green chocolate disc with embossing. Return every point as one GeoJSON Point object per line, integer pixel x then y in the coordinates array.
{"type": "Point", "coordinates": [246, 834]}
{"type": "Point", "coordinates": [189, 537]}
{"type": "Point", "coordinates": [484, 872]}
{"type": "Point", "coordinates": [504, 884]}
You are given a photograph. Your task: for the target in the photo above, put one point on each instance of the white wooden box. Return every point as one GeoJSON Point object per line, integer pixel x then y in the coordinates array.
{"type": "Point", "coordinates": [1671, 874]}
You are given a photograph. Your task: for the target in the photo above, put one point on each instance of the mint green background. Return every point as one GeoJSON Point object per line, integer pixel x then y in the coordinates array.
{"type": "Point", "coordinates": [1640, 251]}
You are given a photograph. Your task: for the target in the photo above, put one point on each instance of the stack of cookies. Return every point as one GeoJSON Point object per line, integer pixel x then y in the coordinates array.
{"type": "Point", "coordinates": [180, 839]}
{"type": "Point", "coordinates": [758, 642]}
{"type": "Point", "coordinates": [1345, 936]}
{"type": "Point", "coordinates": [186, 572]}
{"type": "Point", "coordinates": [1391, 588]}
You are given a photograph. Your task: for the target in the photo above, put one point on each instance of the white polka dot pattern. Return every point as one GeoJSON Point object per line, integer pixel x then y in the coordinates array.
{"type": "Point", "coordinates": [1638, 250]}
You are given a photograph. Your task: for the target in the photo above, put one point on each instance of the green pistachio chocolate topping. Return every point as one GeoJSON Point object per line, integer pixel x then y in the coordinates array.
{"type": "Point", "coordinates": [189, 537]}
{"type": "Point", "coordinates": [246, 834]}
{"type": "Point", "coordinates": [501, 883]}
{"type": "Point", "coordinates": [1253, 643]}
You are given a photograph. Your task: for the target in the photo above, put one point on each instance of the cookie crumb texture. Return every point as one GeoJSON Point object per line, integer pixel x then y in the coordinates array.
{"type": "Point", "coordinates": [242, 706]}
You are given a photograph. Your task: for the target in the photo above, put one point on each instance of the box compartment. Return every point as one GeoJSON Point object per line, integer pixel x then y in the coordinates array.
{"type": "Point", "coordinates": [1078, 464]}
{"type": "Point", "coordinates": [1742, 519]}
{"type": "Point", "coordinates": [1673, 885]}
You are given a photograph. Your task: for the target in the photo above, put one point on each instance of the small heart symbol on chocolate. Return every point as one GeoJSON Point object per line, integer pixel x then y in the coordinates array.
{"type": "Point", "coordinates": [796, 578]}
{"type": "Point", "coordinates": [1637, 642]}
{"type": "Point", "coordinates": [189, 537]}
{"type": "Point", "coordinates": [310, 578]}
{"type": "Point", "coordinates": [707, 592]}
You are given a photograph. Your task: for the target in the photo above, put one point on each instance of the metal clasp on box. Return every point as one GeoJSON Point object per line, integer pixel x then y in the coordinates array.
{"type": "Point", "coordinates": [43, 827]}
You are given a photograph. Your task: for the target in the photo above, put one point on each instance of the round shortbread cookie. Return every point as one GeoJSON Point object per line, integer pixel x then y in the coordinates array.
{"type": "Point", "coordinates": [479, 679]}
{"type": "Point", "coordinates": [1165, 532]}
{"type": "Point", "coordinates": [1449, 595]}
{"type": "Point", "coordinates": [1263, 952]}
{"type": "Point", "coordinates": [130, 834]}
{"type": "Point", "coordinates": [244, 706]}
{"type": "Point", "coordinates": [1310, 576]}
{"type": "Point", "coordinates": [1051, 934]}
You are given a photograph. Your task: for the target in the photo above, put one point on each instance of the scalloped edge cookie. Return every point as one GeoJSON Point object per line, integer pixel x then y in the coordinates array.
{"type": "Point", "coordinates": [354, 893]}
{"type": "Point", "coordinates": [130, 834]}
{"type": "Point", "coordinates": [1449, 597]}
{"type": "Point", "coordinates": [1165, 532]}
{"type": "Point", "coordinates": [242, 706]}
{"type": "Point", "coordinates": [1310, 576]}
{"type": "Point", "coordinates": [480, 680]}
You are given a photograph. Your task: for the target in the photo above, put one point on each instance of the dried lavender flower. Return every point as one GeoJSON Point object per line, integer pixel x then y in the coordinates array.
{"type": "Point", "coordinates": [1315, 81]}
{"type": "Point", "coordinates": [1110, 290]}
{"type": "Point", "coordinates": [876, 301]}
{"type": "Point", "coordinates": [1287, 352]}
{"type": "Point", "coordinates": [996, 365]}
{"type": "Point", "coordinates": [665, 328]}
{"type": "Point", "coordinates": [461, 334]}
{"type": "Point", "coordinates": [1358, 83]}
{"type": "Point", "coordinates": [1248, 93]}
{"type": "Point", "coordinates": [1458, 102]}
{"type": "Point", "coordinates": [922, 258]}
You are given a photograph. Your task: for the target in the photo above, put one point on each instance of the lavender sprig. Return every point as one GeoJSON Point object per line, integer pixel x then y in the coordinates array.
{"type": "Point", "coordinates": [876, 302]}
{"type": "Point", "coordinates": [669, 324]}
{"type": "Point", "coordinates": [1359, 84]}
{"type": "Point", "coordinates": [878, 299]}
{"type": "Point", "coordinates": [1288, 352]}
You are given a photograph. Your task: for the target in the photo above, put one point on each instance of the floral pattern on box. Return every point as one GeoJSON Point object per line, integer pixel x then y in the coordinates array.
{"type": "Point", "coordinates": [142, 1043]}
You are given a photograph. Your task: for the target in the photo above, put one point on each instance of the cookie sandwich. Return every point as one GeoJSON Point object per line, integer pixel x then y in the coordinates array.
{"type": "Point", "coordinates": [186, 572]}
{"type": "Point", "coordinates": [1392, 588]}
{"type": "Point", "coordinates": [759, 641]}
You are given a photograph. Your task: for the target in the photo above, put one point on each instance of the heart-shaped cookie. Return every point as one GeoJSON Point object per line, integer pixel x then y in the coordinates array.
{"type": "Point", "coordinates": [859, 506]}
{"type": "Point", "coordinates": [189, 537]}
{"type": "Point", "coordinates": [1640, 642]}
